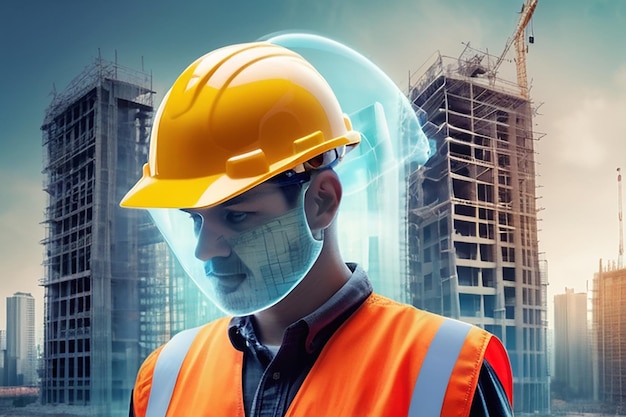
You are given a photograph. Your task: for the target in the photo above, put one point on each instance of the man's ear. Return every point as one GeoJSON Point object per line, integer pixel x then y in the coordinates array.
{"type": "Point", "coordinates": [322, 199]}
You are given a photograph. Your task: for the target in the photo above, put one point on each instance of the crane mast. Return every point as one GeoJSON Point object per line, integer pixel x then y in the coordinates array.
{"type": "Point", "coordinates": [620, 258]}
{"type": "Point", "coordinates": [518, 39]}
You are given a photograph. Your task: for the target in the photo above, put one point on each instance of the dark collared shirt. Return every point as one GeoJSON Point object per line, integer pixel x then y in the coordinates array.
{"type": "Point", "coordinates": [271, 382]}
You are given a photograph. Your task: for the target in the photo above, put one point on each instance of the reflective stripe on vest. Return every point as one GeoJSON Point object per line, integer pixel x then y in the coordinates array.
{"type": "Point", "coordinates": [166, 372]}
{"type": "Point", "coordinates": [432, 381]}
{"type": "Point", "coordinates": [428, 393]}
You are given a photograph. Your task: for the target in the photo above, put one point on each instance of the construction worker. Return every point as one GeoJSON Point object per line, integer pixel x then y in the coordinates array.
{"type": "Point", "coordinates": [241, 182]}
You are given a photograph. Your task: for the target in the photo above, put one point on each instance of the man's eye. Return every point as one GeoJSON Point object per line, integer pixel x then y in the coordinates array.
{"type": "Point", "coordinates": [235, 217]}
{"type": "Point", "coordinates": [197, 222]}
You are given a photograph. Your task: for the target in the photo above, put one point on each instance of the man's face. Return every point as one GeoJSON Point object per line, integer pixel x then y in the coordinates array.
{"type": "Point", "coordinates": [255, 248]}
{"type": "Point", "coordinates": [216, 226]}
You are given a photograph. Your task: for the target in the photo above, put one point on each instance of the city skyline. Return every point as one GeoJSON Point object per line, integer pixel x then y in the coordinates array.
{"type": "Point", "coordinates": [576, 71]}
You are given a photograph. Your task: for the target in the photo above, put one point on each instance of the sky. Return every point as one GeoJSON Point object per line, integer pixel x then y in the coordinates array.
{"type": "Point", "coordinates": [576, 69]}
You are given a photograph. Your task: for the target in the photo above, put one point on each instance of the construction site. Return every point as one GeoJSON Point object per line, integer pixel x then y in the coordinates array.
{"type": "Point", "coordinates": [473, 242]}
{"type": "Point", "coordinates": [112, 290]}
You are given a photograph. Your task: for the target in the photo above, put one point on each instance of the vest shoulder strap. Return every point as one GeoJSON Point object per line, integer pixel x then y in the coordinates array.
{"type": "Point", "coordinates": [166, 371]}
{"type": "Point", "coordinates": [436, 371]}
{"type": "Point", "coordinates": [410, 363]}
{"type": "Point", "coordinates": [159, 374]}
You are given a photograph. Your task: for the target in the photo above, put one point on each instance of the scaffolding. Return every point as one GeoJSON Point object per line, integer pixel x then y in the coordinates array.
{"type": "Point", "coordinates": [94, 136]}
{"type": "Point", "coordinates": [473, 215]}
{"type": "Point", "coordinates": [609, 330]}
{"type": "Point", "coordinates": [112, 288]}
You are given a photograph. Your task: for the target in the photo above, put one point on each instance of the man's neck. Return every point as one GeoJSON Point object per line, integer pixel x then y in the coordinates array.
{"type": "Point", "coordinates": [315, 289]}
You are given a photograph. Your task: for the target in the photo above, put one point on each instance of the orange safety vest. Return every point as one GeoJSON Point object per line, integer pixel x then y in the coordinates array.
{"type": "Point", "coordinates": [387, 359]}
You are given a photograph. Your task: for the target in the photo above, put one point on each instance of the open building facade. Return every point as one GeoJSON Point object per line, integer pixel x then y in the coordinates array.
{"type": "Point", "coordinates": [113, 292]}
{"type": "Point", "coordinates": [472, 217]}
{"type": "Point", "coordinates": [609, 334]}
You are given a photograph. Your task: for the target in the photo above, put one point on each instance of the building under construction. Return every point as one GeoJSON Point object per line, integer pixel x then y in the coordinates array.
{"type": "Point", "coordinates": [473, 220]}
{"type": "Point", "coordinates": [609, 329]}
{"type": "Point", "coordinates": [113, 292]}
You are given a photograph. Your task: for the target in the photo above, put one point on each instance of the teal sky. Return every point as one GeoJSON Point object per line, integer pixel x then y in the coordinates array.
{"type": "Point", "coordinates": [576, 67]}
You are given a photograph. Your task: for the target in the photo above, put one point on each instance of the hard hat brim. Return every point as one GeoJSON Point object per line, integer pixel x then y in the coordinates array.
{"type": "Point", "coordinates": [154, 192]}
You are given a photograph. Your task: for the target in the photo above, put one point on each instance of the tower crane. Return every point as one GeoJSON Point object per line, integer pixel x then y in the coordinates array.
{"type": "Point", "coordinates": [620, 258]}
{"type": "Point", "coordinates": [518, 39]}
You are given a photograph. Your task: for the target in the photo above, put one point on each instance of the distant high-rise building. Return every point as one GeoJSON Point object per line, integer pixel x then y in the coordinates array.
{"type": "Point", "coordinates": [21, 356]}
{"type": "Point", "coordinates": [3, 351]}
{"type": "Point", "coordinates": [572, 346]}
{"type": "Point", "coordinates": [113, 292]}
{"type": "Point", "coordinates": [474, 251]}
{"type": "Point", "coordinates": [609, 330]}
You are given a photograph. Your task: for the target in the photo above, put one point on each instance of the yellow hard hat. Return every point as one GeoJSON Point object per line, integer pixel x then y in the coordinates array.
{"type": "Point", "coordinates": [233, 119]}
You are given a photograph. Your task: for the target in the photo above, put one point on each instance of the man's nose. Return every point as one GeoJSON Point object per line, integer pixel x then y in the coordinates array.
{"type": "Point", "coordinates": [210, 245]}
